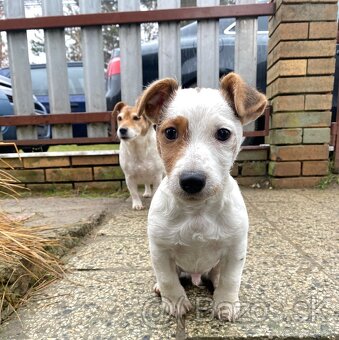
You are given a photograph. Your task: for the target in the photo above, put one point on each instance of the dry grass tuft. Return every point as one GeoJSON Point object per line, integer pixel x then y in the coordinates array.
{"type": "Point", "coordinates": [25, 260]}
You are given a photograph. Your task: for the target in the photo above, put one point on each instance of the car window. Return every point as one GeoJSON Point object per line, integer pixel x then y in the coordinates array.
{"type": "Point", "coordinates": [39, 81]}
{"type": "Point", "coordinates": [75, 81]}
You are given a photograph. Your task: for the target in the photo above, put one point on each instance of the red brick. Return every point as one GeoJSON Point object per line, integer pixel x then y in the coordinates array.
{"type": "Point", "coordinates": [11, 163]}
{"type": "Point", "coordinates": [288, 31]}
{"type": "Point", "coordinates": [288, 103]}
{"type": "Point", "coordinates": [301, 119]}
{"type": "Point", "coordinates": [69, 175]}
{"type": "Point", "coordinates": [46, 162]}
{"type": "Point", "coordinates": [254, 168]}
{"type": "Point", "coordinates": [321, 66]}
{"type": "Point", "coordinates": [295, 182]}
{"type": "Point", "coordinates": [95, 160]}
{"type": "Point", "coordinates": [285, 136]}
{"type": "Point", "coordinates": [28, 176]}
{"type": "Point", "coordinates": [315, 168]}
{"type": "Point", "coordinates": [299, 152]}
{"type": "Point", "coordinates": [318, 102]}
{"type": "Point", "coordinates": [302, 49]}
{"type": "Point", "coordinates": [299, 85]}
{"type": "Point", "coordinates": [284, 169]}
{"type": "Point", "coordinates": [291, 67]}
{"type": "Point", "coordinates": [323, 30]}
{"type": "Point", "coordinates": [253, 155]}
{"type": "Point", "coordinates": [108, 173]}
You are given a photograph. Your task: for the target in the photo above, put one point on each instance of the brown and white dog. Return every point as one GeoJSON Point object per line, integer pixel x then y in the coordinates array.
{"type": "Point", "coordinates": [138, 155]}
{"type": "Point", "coordinates": [198, 222]}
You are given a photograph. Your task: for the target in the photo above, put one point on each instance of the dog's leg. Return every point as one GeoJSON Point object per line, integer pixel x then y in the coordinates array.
{"type": "Point", "coordinates": [226, 293]}
{"type": "Point", "coordinates": [133, 189]}
{"type": "Point", "coordinates": [157, 182]}
{"type": "Point", "coordinates": [173, 296]}
{"type": "Point", "coordinates": [148, 191]}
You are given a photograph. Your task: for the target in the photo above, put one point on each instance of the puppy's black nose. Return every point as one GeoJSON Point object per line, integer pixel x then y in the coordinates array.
{"type": "Point", "coordinates": [192, 182]}
{"type": "Point", "coordinates": [123, 131]}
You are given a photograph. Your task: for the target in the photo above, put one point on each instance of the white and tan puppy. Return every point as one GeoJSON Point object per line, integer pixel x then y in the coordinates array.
{"type": "Point", "coordinates": [138, 154]}
{"type": "Point", "coordinates": [197, 221]}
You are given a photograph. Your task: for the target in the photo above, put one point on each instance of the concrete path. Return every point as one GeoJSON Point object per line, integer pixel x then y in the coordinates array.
{"type": "Point", "coordinates": [289, 287]}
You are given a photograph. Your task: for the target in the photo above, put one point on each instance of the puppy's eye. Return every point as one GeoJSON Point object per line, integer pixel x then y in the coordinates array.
{"type": "Point", "coordinates": [171, 133]}
{"type": "Point", "coordinates": [136, 118]}
{"type": "Point", "coordinates": [223, 134]}
{"type": "Point", "coordinates": [119, 118]}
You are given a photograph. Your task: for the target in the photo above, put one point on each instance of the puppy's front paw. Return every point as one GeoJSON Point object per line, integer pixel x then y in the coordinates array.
{"type": "Point", "coordinates": [137, 206]}
{"type": "Point", "coordinates": [173, 304]}
{"type": "Point", "coordinates": [227, 311]}
{"type": "Point", "coordinates": [147, 194]}
{"type": "Point", "coordinates": [176, 306]}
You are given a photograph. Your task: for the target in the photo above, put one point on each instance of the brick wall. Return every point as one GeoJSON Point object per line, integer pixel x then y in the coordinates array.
{"type": "Point", "coordinates": [301, 64]}
{"type": "Point", "coordinates": [101, 170]}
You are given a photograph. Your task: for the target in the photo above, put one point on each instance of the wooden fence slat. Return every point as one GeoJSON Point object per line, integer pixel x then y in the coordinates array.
{"type": "Point", "coordinates": [20, 69]}
{"type": "Point", "coordinates": [130, 55]}
{"type": "Point", "coordinates": [245, 54]}
{"type": "Point", "coordinates": [208, 49]}
{"type": "Point", "coordinates": [58, 90]}
{"type": "Point", "coordinates": [169, 44]}
{"type": "Point", "coordinates": [93, 61]}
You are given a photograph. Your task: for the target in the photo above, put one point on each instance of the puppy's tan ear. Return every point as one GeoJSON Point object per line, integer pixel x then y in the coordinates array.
{"type": "Point", "coordinates": [117, 108]}
{"type": "Point", "coordinates": [155, 97]}
{"type": "Point", "coordinates": [246, 101]}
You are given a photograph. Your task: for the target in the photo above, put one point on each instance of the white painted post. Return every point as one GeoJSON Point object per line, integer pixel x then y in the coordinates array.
{"type": "Point", "coordinates": [208, 49]}
{"type": "Point", "coordinates": [20, 69]}
{"type": "Point", "coordinates": [245, 52]}
{"type": "Point", "coordinates": [169, 44]}
{"type": "Point", "coordinates": [58, 90]}
{"type": "Point", "coordinates": [93, 61]}
{"type": "Point", "coordinates": [130, 55]}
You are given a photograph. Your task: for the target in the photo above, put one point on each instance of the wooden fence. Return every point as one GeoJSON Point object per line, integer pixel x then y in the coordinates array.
{"type": "Point", "coordinates": [129, 17]}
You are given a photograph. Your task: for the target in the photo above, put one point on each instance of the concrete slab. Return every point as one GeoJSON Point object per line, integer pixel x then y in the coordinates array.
{"type": "Point", "coordinates": [289, 287]}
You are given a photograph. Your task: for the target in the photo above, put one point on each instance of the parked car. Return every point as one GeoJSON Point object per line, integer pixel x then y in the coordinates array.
{"type": "Point", "coordinates": [6, 109]}
{"type": "Point", "coordinates": [188, 34]}
{"type": "Point", "coordinates": [76, 89]}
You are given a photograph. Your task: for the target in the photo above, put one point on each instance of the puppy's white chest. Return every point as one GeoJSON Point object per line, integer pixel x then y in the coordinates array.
{"type": "Point", "coordinates": [198, 258]}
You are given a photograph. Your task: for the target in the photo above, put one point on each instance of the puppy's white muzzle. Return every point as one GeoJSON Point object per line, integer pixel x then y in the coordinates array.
{"type": "Point", "coordinates": [125, 133]}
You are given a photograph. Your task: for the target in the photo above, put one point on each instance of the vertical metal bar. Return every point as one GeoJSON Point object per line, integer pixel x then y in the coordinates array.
{"type": "Point", "coordinates": [93, 61]}
{"type": "Point", "coordinates": [245, 54]}
{"type": "Point", "coordinates": [20, 69]}
{"type": "Point", "coordinates": [208, 49]}
{"type": "Point", "coordinates": [130, 55]}
{"type": "Point", "coordinates": [169, 44]}
{"type": "Point", "coordinates": [58, 90]}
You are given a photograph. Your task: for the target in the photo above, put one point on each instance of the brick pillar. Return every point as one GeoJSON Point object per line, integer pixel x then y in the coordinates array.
{"type": "Point", "coordinates": [301, 64]}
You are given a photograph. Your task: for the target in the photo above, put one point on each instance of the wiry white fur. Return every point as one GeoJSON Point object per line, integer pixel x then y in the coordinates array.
{"type": "Point", "coordinates": [141, 164]}
{"type": "Point", "coordinates": [207, 234]}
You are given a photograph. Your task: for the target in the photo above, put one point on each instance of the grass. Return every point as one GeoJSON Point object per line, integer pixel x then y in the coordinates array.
{"type": "Point", "coordinates": [331, 179]}
{"type": "Point", "coordinates": [74, 147]}
{"type": "Point", "coordinates": [26, 263]}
